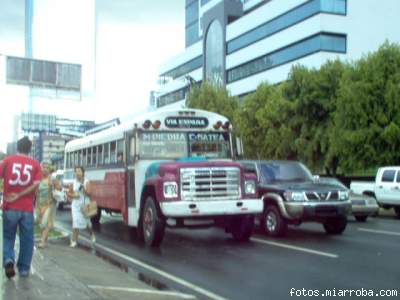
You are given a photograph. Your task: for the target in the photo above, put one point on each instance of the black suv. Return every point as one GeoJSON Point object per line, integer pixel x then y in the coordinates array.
{"type": "Point", "coordinates": [292, 195]}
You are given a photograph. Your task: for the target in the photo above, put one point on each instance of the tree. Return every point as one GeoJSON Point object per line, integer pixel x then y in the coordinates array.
{"type": "Point", "coordinates": [367, 117]}
{"type": "Point", "coordinates": [213, 98]}
{"type": "Point", "coordinates": [313, 94]}
{"type": "Point", "coordinates": [262, 124]}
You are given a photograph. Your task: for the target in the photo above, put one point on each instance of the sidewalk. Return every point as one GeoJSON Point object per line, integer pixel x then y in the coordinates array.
{"type": "Point", "coordinates": [60, 272]}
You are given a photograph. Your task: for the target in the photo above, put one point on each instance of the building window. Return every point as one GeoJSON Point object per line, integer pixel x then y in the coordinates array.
{"type": "Point", "coordinates": [192, 34]}
{"type": "Point", "coordinates": [334, 6]}
{"type": "Point", "coordinates": [320, 42]}
{"type": "Point", "coordinates": [214, 54]}
{"type": "Point", "coordinates": [192, 12]}
{"type": "Point", "coordinates": [286, 20]}
{"type": "Point", "coordinates": [185, 68]}
{"type": "Point", "coordinates": [172, 97]}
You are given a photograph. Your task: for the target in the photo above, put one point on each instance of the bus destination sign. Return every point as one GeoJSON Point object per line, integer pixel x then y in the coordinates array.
{"type": "Point", "coordinates": [186, 122]}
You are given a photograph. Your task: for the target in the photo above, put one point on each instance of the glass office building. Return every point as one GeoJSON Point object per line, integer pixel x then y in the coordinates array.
{"type": "Point", "coordinates": [241, 43]}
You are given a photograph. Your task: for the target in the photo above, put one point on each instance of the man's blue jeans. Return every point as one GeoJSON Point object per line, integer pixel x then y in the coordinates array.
{"type": "Point", "coordinates": [24, 221]}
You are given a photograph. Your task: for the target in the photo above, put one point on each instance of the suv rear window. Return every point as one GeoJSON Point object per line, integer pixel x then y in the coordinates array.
{"type": "Point", "coordinates": [388, 175]}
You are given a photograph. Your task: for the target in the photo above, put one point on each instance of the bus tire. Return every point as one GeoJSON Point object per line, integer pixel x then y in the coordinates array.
{"type": "Point", "coordinates": [152, 226]}
{"type": "Point", "coordinates": [242, 228]}
{"type": "Point", "coordinates": [96, 218]}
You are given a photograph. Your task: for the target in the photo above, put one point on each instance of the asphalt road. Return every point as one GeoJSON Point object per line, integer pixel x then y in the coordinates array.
{"type": "Point", "coordinates": [209, 264]}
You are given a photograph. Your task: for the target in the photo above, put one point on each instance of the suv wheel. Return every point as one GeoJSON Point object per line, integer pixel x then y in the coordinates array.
{"type": "Point", "coordinates": [273, 224]}
{"type": "Point", "coordinates": [335, 225]}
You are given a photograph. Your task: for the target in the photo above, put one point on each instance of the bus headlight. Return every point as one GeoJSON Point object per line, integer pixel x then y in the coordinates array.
{"type": "Point", "coordinates": [170, 189]}
{"type": "Point", "coordinates": [249, 187]}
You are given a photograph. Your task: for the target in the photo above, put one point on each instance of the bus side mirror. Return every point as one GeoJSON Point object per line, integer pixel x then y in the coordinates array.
{"type": "Point", "coordinates": [239, 146]}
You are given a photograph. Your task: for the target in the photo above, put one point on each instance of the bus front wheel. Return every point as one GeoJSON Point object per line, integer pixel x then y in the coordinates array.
{"type": "Point", "coordinates": [152, 225]}
{"type": "Point", "coordinates": [242, 228]}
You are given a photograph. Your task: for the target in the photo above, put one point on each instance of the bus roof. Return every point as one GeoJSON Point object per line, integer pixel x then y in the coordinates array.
{"type": "Point", "coordinates": [117, 132]}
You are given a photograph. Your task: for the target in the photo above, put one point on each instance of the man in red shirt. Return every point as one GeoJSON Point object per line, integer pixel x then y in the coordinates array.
{"type": "Point", "coordinates": [21, 175]}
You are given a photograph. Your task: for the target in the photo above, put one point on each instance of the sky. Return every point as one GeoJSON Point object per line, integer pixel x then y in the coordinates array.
{"type": "Point", "coordinates": [134, 37]}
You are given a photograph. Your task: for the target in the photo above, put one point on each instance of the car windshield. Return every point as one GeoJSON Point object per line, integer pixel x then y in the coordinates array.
{"type": "Point", "coordinates": [273, 172]}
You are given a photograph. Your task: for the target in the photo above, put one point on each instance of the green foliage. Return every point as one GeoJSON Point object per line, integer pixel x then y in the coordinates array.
{"type": "Point", "coordinates": [367, 118]}
{"type": "Point", "coordinates": [213, 98]}
{"type": "Point", "coordinates": [260, 124]}
{"type": "Point", "coordinates": [344, 116]}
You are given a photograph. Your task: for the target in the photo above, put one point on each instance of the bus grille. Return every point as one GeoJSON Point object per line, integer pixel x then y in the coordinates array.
{"type": "Point", "coordinates": [210, 184]}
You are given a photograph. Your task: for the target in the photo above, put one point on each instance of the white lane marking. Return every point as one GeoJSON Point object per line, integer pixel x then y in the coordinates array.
{"type": "Point", "coordinates": [301, 249]}
{"type": "Point", "coordinates": [141, 291]}
{"type": "Point", "coordinates": [152, 269]}
{"type": "Point", "coordinates": [379, 231]}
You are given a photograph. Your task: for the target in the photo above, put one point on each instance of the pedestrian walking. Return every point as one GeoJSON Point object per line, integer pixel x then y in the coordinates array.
{"type": "Point", "coordinates": [79, 195]}
{"type": "Point", "coordinates": [22, 175]}
{"type": "Point", "coordinates": [45, 205]}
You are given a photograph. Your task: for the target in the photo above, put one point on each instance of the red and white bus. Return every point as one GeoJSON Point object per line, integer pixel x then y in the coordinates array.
{"type": "Point", "coordinates": [169, 168]}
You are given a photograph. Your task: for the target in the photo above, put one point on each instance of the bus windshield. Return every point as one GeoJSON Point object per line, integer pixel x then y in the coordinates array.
{"type": "Point", "coordinates": [172, 145]}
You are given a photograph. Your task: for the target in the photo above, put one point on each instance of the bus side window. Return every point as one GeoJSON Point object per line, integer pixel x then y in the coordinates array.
{"type": "Point", "coordinates": [100, 154]}
{"type": "Point", "coordinates": [67, 160]}
{"type": "Point", "coordinates": [79, 157]}
{"type": "Point", "coordinates": [113, 153]}
{"type": "Point", "coordinates": [107, 153]}
{"type": "Point", "coordinates": [120, 151]}
{"type": "Point", "coordinates": [84, 157]}
{"type": "Point", "coordinates": [94, 155]}
{"type": "Point", "coordinates": [89, 157]}
{"type": "Point", "coordinates": [75, 158]}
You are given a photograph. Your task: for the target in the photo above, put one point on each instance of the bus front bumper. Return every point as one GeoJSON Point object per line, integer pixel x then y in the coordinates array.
{"type": "Point", "coordinates": [211, 208]}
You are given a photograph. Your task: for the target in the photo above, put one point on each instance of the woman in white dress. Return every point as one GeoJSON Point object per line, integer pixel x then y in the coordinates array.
{"type": "Point", "coordinates": [79, 194]}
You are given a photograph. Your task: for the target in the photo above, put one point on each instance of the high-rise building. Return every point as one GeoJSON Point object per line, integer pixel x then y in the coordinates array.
{"type": "Point", "coordinates": [240, 44]}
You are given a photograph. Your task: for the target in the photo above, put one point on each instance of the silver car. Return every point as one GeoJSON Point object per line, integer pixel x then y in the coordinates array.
{"type": "Point", "coordinates": [362, 206]}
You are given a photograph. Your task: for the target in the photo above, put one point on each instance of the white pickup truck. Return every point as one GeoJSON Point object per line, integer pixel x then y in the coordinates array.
{"type": "Point", "coordinates": [385, 189]}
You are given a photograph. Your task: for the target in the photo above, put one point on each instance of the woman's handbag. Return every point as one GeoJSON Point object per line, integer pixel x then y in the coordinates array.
{"type": "Point", "coordinates": [89, 210]}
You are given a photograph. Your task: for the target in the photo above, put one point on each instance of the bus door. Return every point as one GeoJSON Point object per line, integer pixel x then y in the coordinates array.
{"type": "Point", "coordinates": [130, 151]}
